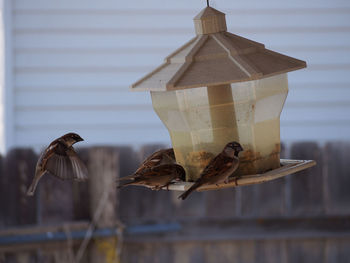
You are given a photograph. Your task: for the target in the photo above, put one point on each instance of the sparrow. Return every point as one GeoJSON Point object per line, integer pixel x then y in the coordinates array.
{"type": "Point", "coordinates": [159, 157]}
{"type": "Point", "coordinates": [219, 169]}
{"type": "Point", "coordinates": [60, 159]}
{"type": "Point", "coordinates": [156, 177]}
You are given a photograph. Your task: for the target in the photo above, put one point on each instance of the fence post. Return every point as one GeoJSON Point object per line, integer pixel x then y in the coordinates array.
{"type": "Point", "coordinates": [18, 171]}
{"type": "Point", "coordinates": [103, 171]}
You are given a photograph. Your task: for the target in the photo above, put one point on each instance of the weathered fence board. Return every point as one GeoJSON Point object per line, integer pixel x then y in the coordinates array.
{"type": "Point", "coordinates": [103, 166]}
{"type": "Point", "coordinates": [306, 251]}
{"type": "Point", "coordinates": [307, 186]}
{"type": "Point", "coordinates": [19, 166]}
{"type": "Point", "coordinates": [271, 251]}
{"type": "Point", "coordinates": [221, 204]}
{"type": "Point", "coordinates": [337, 181]}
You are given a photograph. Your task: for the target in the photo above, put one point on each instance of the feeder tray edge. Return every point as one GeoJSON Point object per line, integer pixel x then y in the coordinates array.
{"type": "Point", "coordinates": [288, 166]}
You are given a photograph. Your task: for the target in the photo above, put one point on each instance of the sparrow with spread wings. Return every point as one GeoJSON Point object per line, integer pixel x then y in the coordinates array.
{"type": "Point", "coordinates": [60, 159]}
{"type": "Point", "coordinates": [219, 169]}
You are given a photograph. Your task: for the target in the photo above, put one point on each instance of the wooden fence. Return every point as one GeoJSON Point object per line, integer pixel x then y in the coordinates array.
{"type": "Point", "coordinates": [303, 217]}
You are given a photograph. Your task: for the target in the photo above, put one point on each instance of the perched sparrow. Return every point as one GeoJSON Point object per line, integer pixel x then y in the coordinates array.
{"type": "Point", "coordinates": [61, 160]}
{"type": "Point", "coordinates": [156, 177]}
{"type": "Point", "coordinates": [219, 169]}
{"type": "Point", "coordinates": [164, 156]}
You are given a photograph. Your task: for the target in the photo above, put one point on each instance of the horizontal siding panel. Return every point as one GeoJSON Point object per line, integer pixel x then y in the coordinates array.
{"type": "Point", "coordinates": [92, 41]}
{"type": "Point", "coordinates": [325, 76]}
{"type": "Point", "coordinates": [168, 39]}
{"type": "Point", "coordinates": [183, 4]}
{"type": "Point", "coordinates": [229, 11]}
{"type": "Point", "coordinates": [315, 86]}
{"type": "Point", "coordinates": [129, 59]}
{"type": "Point", "coordinates": [134, 136]}
{"type": "Point", "coordinates": [177, 20]}
{"type": "Point", "coordinates": [140, 135]}
{"type": "Point", "coordinates": [102, 21]}
{"type": "Point", "coordinates": [324, 114]}
{"type": "Point", "coordinates": [81, 79]}
{"type": "Point", "coordinates": [51, 118]}
{"type": "Point", "coordinates": [104, 4]}
{"type": "Point", "coordinates": [141, 30]}
{"type": "Point", "coordinates": [52, 60]}
{"type": "Point", "coordinates": [95, 51]}
{"type": "Point", "coordinates": [137, 68]}
{"type": "Point", "coordinates": [116, 78]}
{"type": "Point", "coordinates": [91, 98]}
{"type": "Point", "coordinates": [124, 97]}
{"type": "Point", "coordinates": [291, 132]}
{"type": "Point", "coordinates": [54, 87]}
{"type": "Point", "coordinates": [319, 95]}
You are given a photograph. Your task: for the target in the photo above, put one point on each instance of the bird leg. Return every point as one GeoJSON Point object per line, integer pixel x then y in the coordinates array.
{"type": "Point", "coordinates": [236, 179]}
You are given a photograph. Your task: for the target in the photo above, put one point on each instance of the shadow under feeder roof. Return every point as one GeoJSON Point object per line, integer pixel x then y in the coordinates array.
{"type": "Point", "coordinates": [216, 57]}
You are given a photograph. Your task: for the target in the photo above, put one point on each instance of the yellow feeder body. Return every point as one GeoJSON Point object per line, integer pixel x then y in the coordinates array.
{"type": "Point", "coordinates": [218, 88]}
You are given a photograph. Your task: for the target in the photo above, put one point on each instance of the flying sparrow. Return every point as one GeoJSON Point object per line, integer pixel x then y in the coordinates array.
{"type": "Point", "coordinates": [164, 156]}
{"type": "Point", "coordinates": [60, 159]}
{"type": "Point", "coordinates": [219, 169]}
{"type": "Point", "coordinates": [156, 177]}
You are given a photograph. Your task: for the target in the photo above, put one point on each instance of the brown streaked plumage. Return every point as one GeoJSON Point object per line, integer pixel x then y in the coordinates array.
{"type": "Point", "coordinates": [164, 156]}
{"type": "Point", "coordinates": [156, 177]}
{"type": "Point", "coordinates": [60, 159]}
{"type": "Point", "coordinates": [219, 169]}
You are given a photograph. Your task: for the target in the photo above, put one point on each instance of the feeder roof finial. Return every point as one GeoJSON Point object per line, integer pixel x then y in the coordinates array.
{"type": "Point", "coordinates": [209, 21]}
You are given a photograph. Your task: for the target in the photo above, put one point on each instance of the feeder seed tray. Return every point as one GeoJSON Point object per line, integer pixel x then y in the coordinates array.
{"type": "Point", "coordinates": [287, 167]}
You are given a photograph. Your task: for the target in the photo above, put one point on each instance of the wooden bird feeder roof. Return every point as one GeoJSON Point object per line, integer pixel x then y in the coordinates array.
{"type": "Point", "coordinates": [215, 57]}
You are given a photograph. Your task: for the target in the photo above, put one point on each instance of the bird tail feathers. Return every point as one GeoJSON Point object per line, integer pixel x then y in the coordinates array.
{"type": "Point", "coordinates": [32, 188]}
{"type": "Point", "coordinates": [126, 184]}
{"type": "Point", "coordinates": [129, 177]}
{"type": "Point", "coordinates": [190, 190]}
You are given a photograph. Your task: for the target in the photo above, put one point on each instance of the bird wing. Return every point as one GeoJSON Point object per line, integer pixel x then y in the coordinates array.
{"type": "Point", "coordinates": [211, 173]}
{"type": "Point", "coordinates": [157, 171]}
{"type": "Point", "coordinates": [149, 162]}
{"type": "Point", "coordinates": [168, 169]}
{"type": "Point", "coordinates": [156, 158]}
{"type": "Point", "coordinates": [220, 164]}
{"type": "Point", "coordinates": [79, 169]}
{"type": "Point", "coordinates": [65, 164]}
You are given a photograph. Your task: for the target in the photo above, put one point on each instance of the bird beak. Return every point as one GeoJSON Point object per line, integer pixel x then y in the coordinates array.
{"type": "Point", "coordinates": [80, 139]}
{"type": "Point", "coordinates": [239, 148]}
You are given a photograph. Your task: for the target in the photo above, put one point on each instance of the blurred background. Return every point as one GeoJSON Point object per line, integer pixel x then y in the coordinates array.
{"type": "Point", "coordinates": [67, 66]}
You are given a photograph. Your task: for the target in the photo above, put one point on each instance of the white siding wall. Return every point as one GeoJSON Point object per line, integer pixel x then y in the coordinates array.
{"type": "Point", "coordinates": [74, 60]}
{"type": "Point", "coordinates": [2, 80]}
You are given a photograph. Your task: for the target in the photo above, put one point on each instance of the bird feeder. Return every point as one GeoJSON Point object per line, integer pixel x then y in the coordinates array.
{"type": "Point", "coordinates": [221, 87]}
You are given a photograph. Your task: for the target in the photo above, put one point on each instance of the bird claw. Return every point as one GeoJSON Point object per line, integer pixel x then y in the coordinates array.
{"type": "Point", "coordinates": [236, 179]}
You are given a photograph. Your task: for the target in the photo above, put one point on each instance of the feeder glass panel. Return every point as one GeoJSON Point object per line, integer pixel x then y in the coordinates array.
{"type": "Point", "coordinates": [202, 120]}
